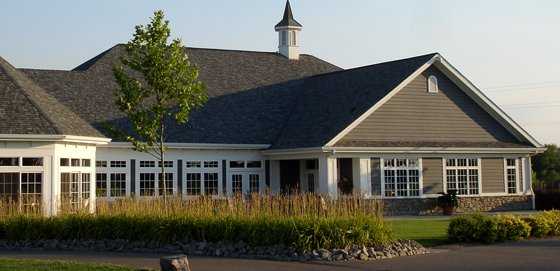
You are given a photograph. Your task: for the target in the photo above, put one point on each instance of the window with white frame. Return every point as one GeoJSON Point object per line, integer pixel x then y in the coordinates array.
{"type": "Point", "coordinates": [86, 180]}
{"type": "Point", "coordinates": [32, 162]}
{"type": "Point", "coordinates": [211, 183]}
{"type": "Point", "coordinates": [9, 161]}
{"type": "Point", "coordinates": [31, 190]}
{"type": "Point", "coordinates": [433, 84]}
{"type": "Point", "coordinates": [118, 164]}
{"type": "Point", "coordinates": [147, 184]}
{"type": "Point", "coordinates": [237, 183]}
{"type": "Point", "coordinates": [193, 184]}
{"type": "Point", "coordinates": [401, 177]}
{"type": "Point", "coordinates": [101, 164]}
{"type": "Point", "coordinates": [165, 164]}
{"type": "Point", "coordinates": [210, 164]}
{"type": "Point", "coordinates": [293, 41]}
{"type": "Point", "coordinates": [168, 184]}
{"type": "Point", "coordinates": [512, 175]}
{"type": "Point", "coordinates": [118, 185]}
{"type": "Point", "coordinates": [101, 185]}
{"type": "Point", "coordinates": [193, 164]}
{"type": "Point", "coordinates": [9, 186]}
{"type": "Point", "coordinates": [145, 164]}
{"type": "Point", "coordinates": [463, 175]}
{"type": "Point", "coordinates": [254, 183]}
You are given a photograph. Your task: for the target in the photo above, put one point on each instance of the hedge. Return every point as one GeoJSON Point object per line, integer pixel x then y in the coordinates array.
{"type": "Point", "coordinates": [303, 234]}
{"type": "Point", "coordinates": [490, 229]}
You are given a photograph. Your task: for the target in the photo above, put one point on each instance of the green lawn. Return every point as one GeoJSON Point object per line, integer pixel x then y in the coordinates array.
{"type": "Point", "coordinates": [36, 265]}
{"type": "Point", "coordinates": [428, 232]}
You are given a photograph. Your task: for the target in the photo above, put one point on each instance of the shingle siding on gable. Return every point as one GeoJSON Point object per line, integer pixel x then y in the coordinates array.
{"type": "Point", "coordinates": [414, 115]}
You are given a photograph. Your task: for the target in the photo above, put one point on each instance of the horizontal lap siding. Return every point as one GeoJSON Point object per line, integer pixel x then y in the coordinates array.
{"type": "Point", "coordinates": [432, 174]}
{"type": "Point", "coordinates": [416, 115]}
{"type": "Point", "coordinates": [493, 175]}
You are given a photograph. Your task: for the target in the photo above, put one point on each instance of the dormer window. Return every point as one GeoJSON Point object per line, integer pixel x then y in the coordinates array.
{"type": "Point", "coordinates": [433, 84]}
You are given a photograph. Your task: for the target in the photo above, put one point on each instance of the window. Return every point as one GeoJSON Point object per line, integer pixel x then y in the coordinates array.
{"type": "Point", "coordinates": [193, 184]}
{"type": "Point", "coordinates": [32, 162]}
{"type": "Point", "coordinates": [118, 184]}
{"type": "Point", "coordinates": [147, 184]}
{"type": "Point", "coordinates": [101, 163]}
{"type": "Point", "coordinates": [166, 163]}
{"type": "Point", "coordinates": [70, 188]}
{"type": "Point", "coordinates": [147, 163]}
{"type": "Point", "coordinates": [86, 181]}
{"type": "Point", "coordinates": [237, 164]}
{"type": "Point", "coordinates": [293, 41]}
{"type": "Point", "coordinates": [401, 177]}
{"type": "Point", "coordinates": [284, 37]}
{"type": "Point", "coordinates": [86, 163]}
{"type": "Point", "coordinates": [211, 183]}
{"type": "Point", "coordinates": [64, 162]}
{"type": "Point", "coordinates": [168, 184]}
{"type": "Point", "coordinates": [254, 164]}
{"type": "Point", "coordinates": [193, 164]}
{"type": "Point", "coordinates": [511, 174]}
{"type": "Point", "coordinates": [9, 161]}
{"type": "Point", "coordinates": [210, 164]}
{"type": "Point", "coordinates": [254, 183]}
{"type": "Point", "coordinates": [101, 185]}
{"type": "Point", "coordinates": [433, 84]}
{"type": "Point", "coordinates": [75, 162]}
{"type": "Point", "coordinates": [9, 186]}
{"type": "Point", "coordinates": [463, 175]}
{"type": "Point", "coordinates": [31, 188]}
{"type": "Point", "coordinates": [237, 183]}
{"type": "Point", "coordinates": [118, 163]}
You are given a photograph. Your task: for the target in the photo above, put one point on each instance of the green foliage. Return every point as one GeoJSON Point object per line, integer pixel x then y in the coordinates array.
{"type": "Point", "coordinates": [547, 165]}
{"type": "Point", "coordinates": [302, 233]}
{"type": "Point", "coordinates": [35, 265]}
{"type": "Point", "coordinates": [448, 200]}
{"type": "Point", "coordinates": [490, 229]}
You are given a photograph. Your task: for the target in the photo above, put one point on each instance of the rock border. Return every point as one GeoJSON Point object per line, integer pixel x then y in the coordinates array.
{"type": "Point", "coordinates": [220, 249]}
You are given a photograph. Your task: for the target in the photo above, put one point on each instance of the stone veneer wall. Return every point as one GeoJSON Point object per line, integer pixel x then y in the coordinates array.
{"type": "Point", "coordinates": [428, 206]}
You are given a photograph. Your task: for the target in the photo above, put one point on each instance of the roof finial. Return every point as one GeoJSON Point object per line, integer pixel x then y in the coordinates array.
{"type": "Point", "coordinates": [288, 19]}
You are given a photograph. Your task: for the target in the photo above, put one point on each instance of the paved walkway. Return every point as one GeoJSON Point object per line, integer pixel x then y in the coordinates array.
{"type": "Point", "coordinates": [526, 255]}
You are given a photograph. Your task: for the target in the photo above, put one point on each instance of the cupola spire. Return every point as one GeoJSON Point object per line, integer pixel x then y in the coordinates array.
{"type": "Point", "coordinates": [288, 29]}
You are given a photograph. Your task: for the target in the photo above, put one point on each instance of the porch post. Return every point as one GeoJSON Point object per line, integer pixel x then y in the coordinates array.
{"type": "Point", "coordinates": [361, 169]}
{"type": "Point", "coordinates": [328, 176]}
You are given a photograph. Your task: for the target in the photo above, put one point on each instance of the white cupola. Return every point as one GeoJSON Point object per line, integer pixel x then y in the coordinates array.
{"type": "Point", "coordinates": [288, 30]}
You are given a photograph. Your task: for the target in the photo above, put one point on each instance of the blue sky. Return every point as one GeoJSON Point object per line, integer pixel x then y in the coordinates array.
{"type": "Point", "coordinates": [510, 49]}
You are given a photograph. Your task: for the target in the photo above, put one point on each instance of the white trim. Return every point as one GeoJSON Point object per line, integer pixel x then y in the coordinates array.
{"type": "Point", "coordinates": [439, 150]}
{"type": "Point", "coordinates": [381, 102]}
{"type": "Point", "coordinates": [196, 146]}
{"type": "Point", "coordinates": [467, 167]}
{"type": "Point", "coordinates": [62, 138]}
{"type": "Point", "coordinates": [465, 85]}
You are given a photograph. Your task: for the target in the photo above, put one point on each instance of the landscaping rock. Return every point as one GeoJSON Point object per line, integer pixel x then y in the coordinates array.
{"type": "Point", "coordinates": [175, 263]}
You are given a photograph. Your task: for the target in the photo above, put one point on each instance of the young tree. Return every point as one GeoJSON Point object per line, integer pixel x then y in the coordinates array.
{"type": "Point", "coordinates": [156, 86]}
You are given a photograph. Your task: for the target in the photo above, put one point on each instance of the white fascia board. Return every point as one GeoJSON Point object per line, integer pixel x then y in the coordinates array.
{"type": "Point", "coordinates": [294, 151]}
{"type": "Point", "coordinates": [196, 146]}
{"type": "Point", "coordinates": [482, 100]}
{"type": "Point", "coordinates": [432, 150]}
{"type": "Point", "coordinates": [379, 103]}
{"type": "Point", "coordinates": [56, 138]}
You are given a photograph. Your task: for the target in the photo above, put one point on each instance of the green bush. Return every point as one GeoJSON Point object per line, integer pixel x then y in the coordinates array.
{"type": "Point", "coordinates": [545, 224]}
{"type": "Point", "coordinates": [487, 229]}
{"type": "Point", "coordinates": [512, 228]}
{"type": "Point", "coordinates": [302, 233]}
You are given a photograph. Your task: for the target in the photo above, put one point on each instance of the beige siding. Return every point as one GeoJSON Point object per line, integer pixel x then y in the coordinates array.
{"type": "Point", "coordinates": [414, 115]}
{"type": "Point", "coordinates": [520, 180]}
{"type": "Point", "coordinates": [432, 173]}
{"type": "Point", "coordinates": [375, 177]}
{"type": "Point", "coordinates": [493, 180]}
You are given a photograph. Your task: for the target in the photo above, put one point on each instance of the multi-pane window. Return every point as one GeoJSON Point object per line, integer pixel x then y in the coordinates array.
{"type": "Point", "coordinates": [511, 175]}
{"type": "Point", "coordinates": [463, 175]}
{"type": "Point", "coordinates": [118, 163]}
{"type": "Point", "coordinates": [147, 184]}
{"type": "Point", "coordinates": [86, 162]}
{"type": "Point", "coordinates": [254, 164]}
{"type": "Point", "coordinates": [210, 164]}
{"type": "Point", "coordinates": [64, 162]}
{"type": "Point", "coordinates": [237, 164]}
{"type": "Point", "coordinates": [147, 163]}
{"type": "Point", "coordinates": [101, 184]}
{"type": "Point", "coordinates": [9, 186]}
{"type": "Point", "coordinates": [31, 187]}
{"type": "Point", "coordinates": [193, 164]}
{"type": "Point", "coordinates": [86, 180]}
{"type": "Point", "coordinates": [401, 177]}
{"type": "Point", "coordinates": [101, 163]}
{"type": "Point", "coordinates": [166, 163]}
{"type": "Point", "coordinates": [118, 185]}
{"type": "Point", "coordinates": [237, 183]}
{"type": "Point", "coordinates": [75, 162]}
{"type": "Point", "coordinates": [254, 183]}
{"type": "Point", "coordinates": [168, 185]}
{"type": "Point", "coordinates": [193, 184]}
{"type": "Point", "coordinates": [211, 183]}
{"type": "Point", "coordinates": [32, 162]}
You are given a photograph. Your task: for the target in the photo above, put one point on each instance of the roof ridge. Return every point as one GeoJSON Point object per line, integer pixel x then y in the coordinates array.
{"type": "Point", "coordinates": [12, 73]}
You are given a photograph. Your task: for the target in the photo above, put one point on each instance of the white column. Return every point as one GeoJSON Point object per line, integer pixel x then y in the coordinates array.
{"type": "Point", "coordinates": [361, 177]}
{"type": "Point", "coordinates": [328, 176]}
{"type": "Point", "coordinates": [275, 176]}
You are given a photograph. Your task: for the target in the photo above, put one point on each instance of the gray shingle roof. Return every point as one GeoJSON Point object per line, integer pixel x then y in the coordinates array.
{"type": "Point", "coordinates": [25, 108]}
{"type": "Point", "coordinates": [288, 19]}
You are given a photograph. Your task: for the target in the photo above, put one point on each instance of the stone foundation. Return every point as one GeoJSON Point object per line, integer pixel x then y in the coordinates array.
{"type": "Point", "coordinates": [428, 206]}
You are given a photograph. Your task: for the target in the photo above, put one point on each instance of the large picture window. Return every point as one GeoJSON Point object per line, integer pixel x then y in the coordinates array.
{"type": "Point", "coordinates": [193, 184]}
{"type": "Point", "coordinates": [118, 185]}
{"type": "Point", "coordinates": [254, 183]}
{"type": "Point", "coordinates": [463, 175]}
{"type": "Point", "coordinates": [401, 177]}
{"type": "Point", "coordinates": [168, 184]}
{"type": "Point", "coordinates": [147, 184]}
{"type": "Point", "coordinates": [101, 185]}
{"type": "Point", "coordinates": [31, 187]}
{"type": "Point", "coordinates": [511, 175]}
{"type": "Point", "coordinates": [211, 183]}
{"type": "Point", "coordinates": [9, 186]}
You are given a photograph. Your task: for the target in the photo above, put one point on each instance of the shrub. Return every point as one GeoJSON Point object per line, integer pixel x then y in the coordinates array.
{"type": "Point", "coordinates": [545, 224]}
{"type": "Point", "coordinates": [301, 233]}
{"type": "Point", "coordinates": [473, 228]}
{"type": "Point", "coordinates": [512, 228]}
